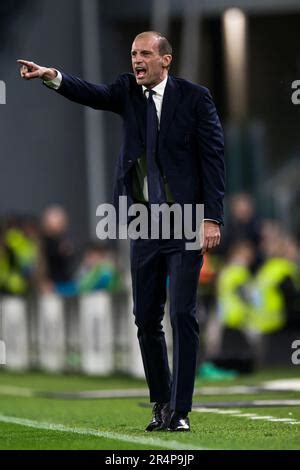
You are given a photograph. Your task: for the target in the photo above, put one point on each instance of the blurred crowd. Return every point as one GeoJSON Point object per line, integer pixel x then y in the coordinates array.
{"type": "Point", "coordinates": [252, 283]}
{"type": "Point", "coordinates": [252, 280]}
{"type": "Point", "coordinates": [38, 255]}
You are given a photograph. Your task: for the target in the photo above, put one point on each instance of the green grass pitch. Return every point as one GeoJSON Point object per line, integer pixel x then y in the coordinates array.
{"type": "Point", "coordinates": [39, 423]}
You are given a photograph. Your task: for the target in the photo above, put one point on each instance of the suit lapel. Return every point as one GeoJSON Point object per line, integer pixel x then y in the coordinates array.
{"type": "Point", "coordinates": [170, 101]}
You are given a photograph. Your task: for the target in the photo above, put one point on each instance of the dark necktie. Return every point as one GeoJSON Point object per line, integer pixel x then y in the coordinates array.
{"type": "Point", "coordinates": [156, 191]}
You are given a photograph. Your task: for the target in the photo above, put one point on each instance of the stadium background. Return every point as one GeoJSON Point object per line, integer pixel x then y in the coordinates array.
{"type": "Point", "coordinates": [57, 166]}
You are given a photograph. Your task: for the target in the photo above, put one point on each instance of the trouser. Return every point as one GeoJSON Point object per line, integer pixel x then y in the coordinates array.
{"type": "Point", "coordinates": [152, 261]}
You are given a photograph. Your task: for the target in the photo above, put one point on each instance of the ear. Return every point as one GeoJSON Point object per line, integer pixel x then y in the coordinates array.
{"type": "Point", "coordinates": [166, 60]}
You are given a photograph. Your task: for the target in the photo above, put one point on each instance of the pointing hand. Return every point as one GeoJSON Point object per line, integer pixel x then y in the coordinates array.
{"type": "Point", "coordinates": [30, 70]}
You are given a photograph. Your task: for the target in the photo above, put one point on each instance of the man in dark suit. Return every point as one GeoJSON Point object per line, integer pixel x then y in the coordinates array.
{"type": "Point", "coordinates": [172, 153]}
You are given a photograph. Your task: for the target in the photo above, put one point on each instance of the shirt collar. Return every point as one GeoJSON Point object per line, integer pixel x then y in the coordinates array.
{"type": "Point", "coordinates": [160, 88]}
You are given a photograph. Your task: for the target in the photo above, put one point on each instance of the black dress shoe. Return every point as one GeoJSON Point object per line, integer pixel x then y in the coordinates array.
{"type": "Point", "coordinates": [161, 417]}
{"type": "Point", "coordinates": [179, 422]}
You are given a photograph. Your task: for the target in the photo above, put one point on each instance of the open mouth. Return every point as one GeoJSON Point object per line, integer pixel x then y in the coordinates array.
{"type": "Point", "coordinates": [140, 72]}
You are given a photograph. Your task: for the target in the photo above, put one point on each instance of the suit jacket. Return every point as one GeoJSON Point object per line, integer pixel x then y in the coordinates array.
{"type": "Point", "coordinates": [190, 147]}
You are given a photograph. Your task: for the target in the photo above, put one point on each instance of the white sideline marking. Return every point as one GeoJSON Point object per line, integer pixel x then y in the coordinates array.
{"type": "Point", "coordinates": [283, 420]}
{"type": "Point", "coordinates": [261, 417]}
{"type": "Point", "coordinates": [211, 410]}
{"type": "Point", "coordinates": [240, 414]}
{"type": "Point", "coordinates": [227, 412]}
{"type": "Point", "coordinates": [104, 434]}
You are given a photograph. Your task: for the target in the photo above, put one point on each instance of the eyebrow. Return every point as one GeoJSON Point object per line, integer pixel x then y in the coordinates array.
{"type": "Point", "coordinates": [143, 51]}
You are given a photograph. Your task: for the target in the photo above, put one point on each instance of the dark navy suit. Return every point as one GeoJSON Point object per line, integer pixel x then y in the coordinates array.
{"type": "Point", "coordinates": [190, 154]}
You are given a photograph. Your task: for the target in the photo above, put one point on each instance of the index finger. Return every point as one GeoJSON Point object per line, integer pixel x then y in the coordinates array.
{"type": "Point", "coordinates": [24, 62]}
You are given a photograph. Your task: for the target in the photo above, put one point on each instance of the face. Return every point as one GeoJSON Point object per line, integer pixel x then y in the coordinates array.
{"type": "Point", "coordinates": [149, 67]}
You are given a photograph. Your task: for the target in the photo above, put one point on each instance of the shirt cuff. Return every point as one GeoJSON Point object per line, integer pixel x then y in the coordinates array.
{"type": "Point", "coordinates": [55, 83]}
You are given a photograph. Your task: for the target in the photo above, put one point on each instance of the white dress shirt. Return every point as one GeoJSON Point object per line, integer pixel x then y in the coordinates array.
{"type": "Point", "coordinates": [158, 96]}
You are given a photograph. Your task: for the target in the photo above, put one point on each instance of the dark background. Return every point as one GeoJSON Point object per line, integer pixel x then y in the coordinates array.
{"type": "Point", "coordinates": [43, 139]}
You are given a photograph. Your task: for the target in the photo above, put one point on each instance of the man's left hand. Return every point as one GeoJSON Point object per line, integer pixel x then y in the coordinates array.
{"type": "Point", "coordinates": [211, 235]}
